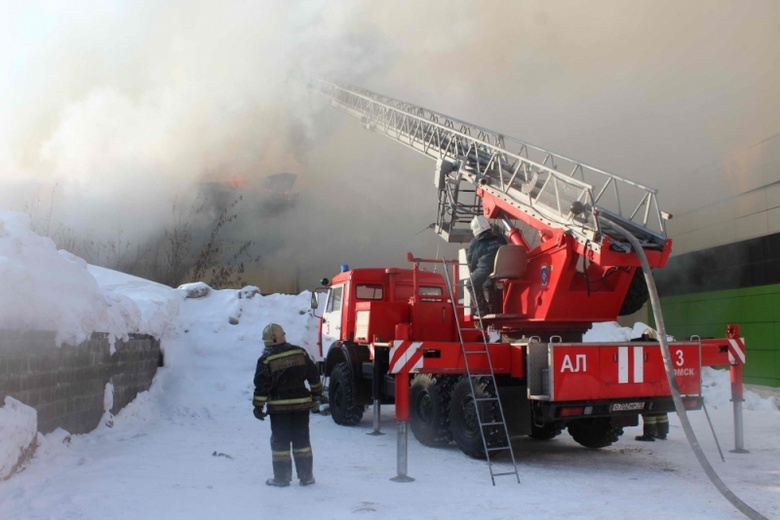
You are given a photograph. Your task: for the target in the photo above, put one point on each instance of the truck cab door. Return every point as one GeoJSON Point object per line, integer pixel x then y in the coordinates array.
{"type": "Point", "coordinates": [331, 317]}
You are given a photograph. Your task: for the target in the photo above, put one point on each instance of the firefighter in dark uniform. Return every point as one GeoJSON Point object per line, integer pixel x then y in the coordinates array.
{"type": "Point", "coordinates": [480, 256]}
{"type": "Point", "coordinates": [280, 386]}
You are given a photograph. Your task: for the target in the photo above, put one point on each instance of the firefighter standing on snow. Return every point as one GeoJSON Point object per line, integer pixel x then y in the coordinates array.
{"type": "Point", "coordinates": [481, 255]}
{"type": "Point", "coordinates": [280, 385]}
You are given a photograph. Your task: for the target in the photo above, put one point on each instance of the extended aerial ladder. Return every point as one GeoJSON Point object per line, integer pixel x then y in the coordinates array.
{"type": "Point", "coordinates": [567, 212]}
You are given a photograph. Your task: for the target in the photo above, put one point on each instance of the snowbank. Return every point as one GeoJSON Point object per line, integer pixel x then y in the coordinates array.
{"type": "Point", "coordinates": [46, 289]}
{"type": "Point", "coordinates": [18, 432]}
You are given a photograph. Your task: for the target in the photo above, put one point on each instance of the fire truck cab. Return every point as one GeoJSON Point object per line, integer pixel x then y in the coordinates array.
{"type": "Point", "coordinates": [365, 307]}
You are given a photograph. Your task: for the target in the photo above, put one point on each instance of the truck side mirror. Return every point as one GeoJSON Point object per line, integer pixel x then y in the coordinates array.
{"type": "Point", "coordinates": [315, 300]}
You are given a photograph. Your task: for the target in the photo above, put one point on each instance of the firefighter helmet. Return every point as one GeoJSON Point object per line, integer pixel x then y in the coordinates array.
{"type": "Point", "coordinates": [273, 334]}
{"type": "Point", "coordinates": [479, 225]}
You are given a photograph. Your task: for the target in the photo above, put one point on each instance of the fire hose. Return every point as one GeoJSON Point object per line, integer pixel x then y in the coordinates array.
{"type": "Point", "coordinates": [678, 403]}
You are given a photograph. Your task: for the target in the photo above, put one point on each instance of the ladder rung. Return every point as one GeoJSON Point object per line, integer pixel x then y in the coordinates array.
{"type": "Point", "coordinates": [470, 352]}
{"type": "Point", "coordinates": [503, 473]}
{"type": "Point", "coordinates": [496, 423]}
{"type": "Point", "coordinates": [498, 448]}
{"type": "Point", "coordinates": [482, 399]}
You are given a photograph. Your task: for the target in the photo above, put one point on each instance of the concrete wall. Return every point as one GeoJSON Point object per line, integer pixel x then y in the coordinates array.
{"type": "Point", "coordinates": [66, 385]}
{"type": "Point", "coordinates": [729, 201]}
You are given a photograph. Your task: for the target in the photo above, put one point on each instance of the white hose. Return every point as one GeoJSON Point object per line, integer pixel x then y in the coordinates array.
{"type": "Point", "coordinates": [678, 403]}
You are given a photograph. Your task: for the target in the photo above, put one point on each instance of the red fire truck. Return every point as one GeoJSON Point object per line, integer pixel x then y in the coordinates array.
{"type": "Point", "coordinates": [579, 238]}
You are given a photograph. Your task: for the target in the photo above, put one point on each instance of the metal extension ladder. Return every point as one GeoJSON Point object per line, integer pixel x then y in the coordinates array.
{"type": "Point", "coordinates": [486, 421]}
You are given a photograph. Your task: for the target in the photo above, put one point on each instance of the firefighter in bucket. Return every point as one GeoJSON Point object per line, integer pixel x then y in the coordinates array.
{"type": "Point", "coordinates": [481, 255]}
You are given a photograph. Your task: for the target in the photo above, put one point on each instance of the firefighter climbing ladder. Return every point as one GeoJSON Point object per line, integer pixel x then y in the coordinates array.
{"type": "Point", "coordinates": [482, 404]}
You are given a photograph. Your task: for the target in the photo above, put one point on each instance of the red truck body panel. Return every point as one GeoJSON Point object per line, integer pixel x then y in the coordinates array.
{"type": "Point", "coordinates": [620, 371]}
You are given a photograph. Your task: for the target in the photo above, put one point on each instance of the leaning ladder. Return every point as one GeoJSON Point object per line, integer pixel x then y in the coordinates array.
{"type": "Point", "coordinates": [481, 404]}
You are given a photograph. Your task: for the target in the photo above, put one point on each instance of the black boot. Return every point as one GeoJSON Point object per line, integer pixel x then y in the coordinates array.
{"type": "Point", "coordinates": [482, 305]}
{"type": "Point", "coordinates": [493, 299]}
{"type": "Point", "coordinates": [662, 427]}
{"type": "Point", "coordinates": [282, 473]}
{"type": "Point", "coordinates": [304, 466]}
{"type": "Point", "coordinates": [648, 432]}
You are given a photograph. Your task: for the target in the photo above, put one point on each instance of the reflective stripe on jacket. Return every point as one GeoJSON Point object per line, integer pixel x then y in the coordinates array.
{"type": "Point", "coordinates": [281, 376]}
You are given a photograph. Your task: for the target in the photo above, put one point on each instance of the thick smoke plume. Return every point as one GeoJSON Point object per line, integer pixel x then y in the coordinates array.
{"type": "Point", "coordinates": [115, 113]}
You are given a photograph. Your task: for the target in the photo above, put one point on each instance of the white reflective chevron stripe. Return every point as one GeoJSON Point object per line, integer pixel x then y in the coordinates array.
{"type": "Point", "coordinates": [401, 353]}
{"type": "Point", "coordinates": [638, 374]}
{"type": "Point", "coordinates": [736, 351]}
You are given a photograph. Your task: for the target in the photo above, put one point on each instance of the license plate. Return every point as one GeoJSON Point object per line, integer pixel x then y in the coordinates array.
{"type": "Point", "coordinates": [626, 407]}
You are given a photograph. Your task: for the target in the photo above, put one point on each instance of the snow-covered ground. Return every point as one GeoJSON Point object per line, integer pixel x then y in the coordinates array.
{"type": "Point", "coordinates": [190, 447]}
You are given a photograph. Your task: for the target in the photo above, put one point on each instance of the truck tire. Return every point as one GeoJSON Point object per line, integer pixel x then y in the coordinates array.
{"type": "Point", "coordinates": [429, 409]}
{"type": "Point", "coordinates": [341, 399]}
{"type": "Point", "coordinates": [636, 296]}
{"type": "Point", "coordinates": [594, 433]}
{"type": "Point", "coordinates": [463, 417]}
{"type": "Point", "coordinates": [546, 432]}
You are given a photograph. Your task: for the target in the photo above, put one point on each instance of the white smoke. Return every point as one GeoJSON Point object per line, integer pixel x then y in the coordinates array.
{"type": "Point", "coordinates": [111, 111]}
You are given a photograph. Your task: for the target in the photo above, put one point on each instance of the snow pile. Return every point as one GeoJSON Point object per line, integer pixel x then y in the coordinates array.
{"type": "Point", "coordinates": [613, 332]}
{"type": "Point", "coordinates": [238, 317]}
{"type": "Point", "coordinates": [716, 389]}
{"type": "Point", "coordinates": [148, 307]}
{"type": "Point", "coordinates": [18, 432]}
{"type": "Point", "coordinates": [46, 289]}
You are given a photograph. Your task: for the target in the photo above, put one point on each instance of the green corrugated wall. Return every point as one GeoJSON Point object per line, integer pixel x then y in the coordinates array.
{"type": "Point", "coordinates": [755, 309]}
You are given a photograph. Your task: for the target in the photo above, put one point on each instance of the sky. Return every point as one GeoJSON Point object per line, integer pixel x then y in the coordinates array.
{"type": "Point", "coordinates": [112, 112]}
{"type": "Point", "coordinates": [190, 448]}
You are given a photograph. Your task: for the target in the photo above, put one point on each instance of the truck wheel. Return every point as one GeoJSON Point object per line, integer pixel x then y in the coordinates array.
{"type": "Point", "coordinates": [464, 421]}
{"type": "Point", "coordinates": [594, 433]}
{"type": "Point", "coordinates": [546, 432]}
{"type": "Point", "coordinates": [340, 397]}
{"type": "Point", "coordinates": [429, 409]}
{"type": "Point", "coordinates": [637, 294]}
